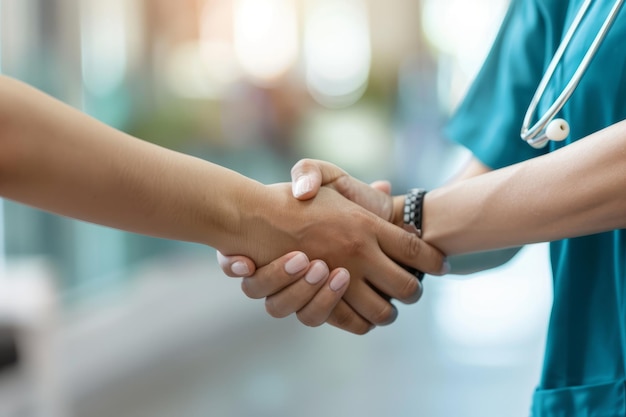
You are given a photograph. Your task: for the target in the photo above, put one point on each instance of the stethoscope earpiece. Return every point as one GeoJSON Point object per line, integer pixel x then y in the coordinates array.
{"type": "Point", "coordinates": [557, 130]}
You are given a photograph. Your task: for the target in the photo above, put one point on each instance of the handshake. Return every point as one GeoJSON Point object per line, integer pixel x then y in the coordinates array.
{"type": "Point", "coordinates": [327, 246]}
{"type": "Point", "coordinates": [356, 233]}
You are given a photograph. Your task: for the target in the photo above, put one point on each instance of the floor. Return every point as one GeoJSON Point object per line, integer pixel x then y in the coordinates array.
{"type": "Point", "coordinates": [184, 342]}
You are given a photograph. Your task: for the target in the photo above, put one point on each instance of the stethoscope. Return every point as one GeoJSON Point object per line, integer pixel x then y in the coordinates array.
{"type": "Point", "coordinates": [547, 127]}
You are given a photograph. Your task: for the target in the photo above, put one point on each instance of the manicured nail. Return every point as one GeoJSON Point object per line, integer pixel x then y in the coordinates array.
{"type": "Point", "coordinates": [340, 280]}
{"type": "Point", "coordinates": [296, 264]}
{"type": "Point", "coordinates": [301, 186]}
{"type": "Point", "coordinates": [318, 272]}
{"type": "Point", "coordinates": [240, 268]}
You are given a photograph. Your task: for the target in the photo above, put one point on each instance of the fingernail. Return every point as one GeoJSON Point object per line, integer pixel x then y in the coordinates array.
{"type": "Point", "coordinates": [301, 186]}
{"type": "Point", "coordinates": [296, 264]}
{"type": "Point", "coordinates": [340, 280]}
{"type": "Point", "coordinates": [446, 268]}
{"type": "Point", "coordinates": [318, 272]}
{"type": "Point", "coordinates": [240, 268]}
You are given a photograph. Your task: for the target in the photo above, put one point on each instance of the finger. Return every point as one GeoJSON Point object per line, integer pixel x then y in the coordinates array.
{"type": "Point", "coordinates": [345, 318]}
{"type": "Point", "coordinates": [382, 185]}
{"type": "Point", "coordinates": [369, 304]}
{"type": "Point", "coordinates": [276, 275]}
{"type": "Point", "coordinates": [308, 175]}
{"type": "Point", "coordinates": [319, 308]}
{"type": "Point", "coordinates": [390, 280]}
{"type": "Point", "coordinates": [297, 295]}
{"type": "Point", "coordinates": [236, 266]}
{"type": "Point", "coordinates": [408, 249]}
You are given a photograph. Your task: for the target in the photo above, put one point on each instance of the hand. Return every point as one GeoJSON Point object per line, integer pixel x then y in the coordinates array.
{"type": "Point", "coordinates": [308, 176]}
{"type": "Point", "coordinates": [293, 284]}
{"type": "Point", "coordinates": [342, 233]}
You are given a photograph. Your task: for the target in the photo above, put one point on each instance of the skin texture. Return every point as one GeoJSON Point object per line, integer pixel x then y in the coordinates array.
{"type": "Point", "coordinates": [574, 191]}
{"type": "Point", "coordinates": [577, 190]}
{"type": "Point", "coordinates": [58, 159]}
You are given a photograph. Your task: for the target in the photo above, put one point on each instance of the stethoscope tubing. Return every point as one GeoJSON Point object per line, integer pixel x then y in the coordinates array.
{"type": "Point", "coordinates": [535, 135]}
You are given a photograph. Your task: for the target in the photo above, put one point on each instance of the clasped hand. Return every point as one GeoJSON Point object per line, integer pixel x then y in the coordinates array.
{"type": "Point", "coordinates": [356, 294]}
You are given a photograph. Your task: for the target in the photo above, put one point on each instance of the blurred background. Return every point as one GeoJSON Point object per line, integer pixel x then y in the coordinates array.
{"type": "Point", "coordinates": [96, 322]}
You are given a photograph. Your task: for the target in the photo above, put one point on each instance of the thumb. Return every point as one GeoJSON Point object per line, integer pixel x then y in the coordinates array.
{"type": "Point", "coordinates": [381, 185]}
{"type": "Point", "coordinates": [236, 266]}
{"type": "Point", "coordinates": [308, 175]}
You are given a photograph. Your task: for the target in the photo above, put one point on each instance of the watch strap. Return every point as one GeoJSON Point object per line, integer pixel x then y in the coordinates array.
{"type": "Point", "coordinates": [413, 209]}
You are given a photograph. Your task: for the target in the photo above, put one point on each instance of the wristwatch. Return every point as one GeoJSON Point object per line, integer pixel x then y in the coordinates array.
{"type": "Point", "coordinates": [413, 205]}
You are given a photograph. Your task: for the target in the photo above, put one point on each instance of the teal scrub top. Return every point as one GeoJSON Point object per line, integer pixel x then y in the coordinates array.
{"type": "Point", "coordinates": [584, 371]}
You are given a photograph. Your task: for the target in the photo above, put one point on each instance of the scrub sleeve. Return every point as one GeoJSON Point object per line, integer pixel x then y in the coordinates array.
{"type": "Point", "coordinates": [584, 369]}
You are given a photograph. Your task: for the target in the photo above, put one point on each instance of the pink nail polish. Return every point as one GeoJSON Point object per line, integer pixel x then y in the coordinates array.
{"type": "Point", "coordinates": [302, 186]}
{"type": "Point", "coordinates": [240, 268]}
{"type": "Point", "coordinates": [340, 280]}
{"type": "Point", "coordinates": [296, 264]}
{"type": "Point", "coordinates": [317, 273]}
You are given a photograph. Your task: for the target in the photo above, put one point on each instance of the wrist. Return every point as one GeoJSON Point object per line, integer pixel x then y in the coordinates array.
{"type": "Point", "coordinates": [271, 226]}
{"type": "Point", "coordinates": [413, 210]}
{"type": "Point", "coordinates": [397, 216]}
{"type": "Point", "coordinates": [438, 221]}
{"type": "Point", "coordinates": [244, 212]}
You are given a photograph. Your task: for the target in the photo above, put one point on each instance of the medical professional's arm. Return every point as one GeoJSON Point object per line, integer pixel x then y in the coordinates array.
{"type": "Point", "coordinates": [470, 263]}
{"type": "Point", "coordinates": [577, 190]}
{"type": "Point", "coordinates": [58, 159]}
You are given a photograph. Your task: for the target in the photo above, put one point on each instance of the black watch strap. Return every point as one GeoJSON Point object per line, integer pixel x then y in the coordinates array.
{"type": "Point", "coordinates": [413, 208]}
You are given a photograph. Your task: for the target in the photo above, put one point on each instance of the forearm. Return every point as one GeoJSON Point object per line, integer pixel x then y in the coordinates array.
{"type": "Point", "coordinates": [577, 190]}
{"type": "Point", "coordinates": [58, 159]}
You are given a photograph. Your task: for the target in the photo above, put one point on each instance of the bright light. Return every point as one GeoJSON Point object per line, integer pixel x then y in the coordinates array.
{"type": "Point", "coordinates": [216, 44]}
{"type": "Point", "coordinates": [103, 44]}
{"type": "Point", "coordinates": [337, 51]}
{"type": "Point", "coordinates": [200, 71]}
{"type": "Point", "coordinates": [266, 38]}
{"type": "Point", "coordinates": [355, 138]}
{"type": "Point", "coordinates": [204, 69]}
{"type": "Point", "coordinates": [463, 31]}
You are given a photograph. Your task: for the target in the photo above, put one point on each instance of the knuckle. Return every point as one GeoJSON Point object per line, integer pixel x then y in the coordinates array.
{"type": "Point", "coordinates": [301, 165]}
{"type": "Point", "coordinates": [343, 320]}
{"type": "Point", "coordinates": [346, 321]}
{"type": "Point", "coordinates": [248, 289]}
{"type": "Point", "coordinates": [412, 245]}
{"type": "Point", "coordinates": [360, 328]}
{"type": "Point", "coordinates": [411, 291]}
{"type": "Point", "coordinates": [355, 246]}
{"type": "Point", "coordinates": [385, 315]}
{"type": "Point", "coordinates": [308, 319]}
